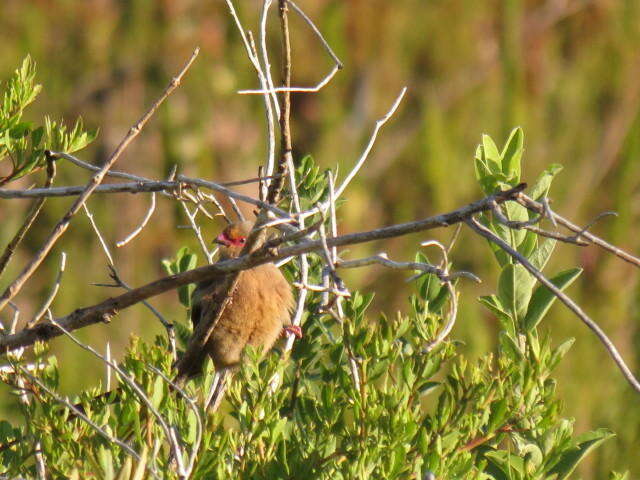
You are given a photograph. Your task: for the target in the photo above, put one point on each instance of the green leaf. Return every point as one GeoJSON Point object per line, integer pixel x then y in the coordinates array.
{"type": "Point", "coordinates": [192, 427]}
{"type": "Point", "coordinates": [529, 244]}
{"type": "Point", "coordinates": [510, 347]}
{"type": "Point", "coordinates": [512, 155]}
{"type": "Point", "coordinates": [20, 130]}
{"type": "Point", "coordinates": [493, 303]}
{"type": "Point", "coordinates": [505, 464]}
{"type": "Point", "coordinates": [157, 392]}
{"type": "Point", "coordinates": [484, 175]}
{"type": "Point", "coordinates": [584, 445]}
{"type": "Point", "coordinates": [188, 261]}
{"type": "Point", "coordinates": [106, 463]}
{"type": "Point", "coordinates": [543, 298]}
{"type": "Point", "coordinates": [542, 254]}
{"type": "Point", "coordinates": [541, 187]}
{"type": "Point", "coordinates": [36, 136]}
{"type": "Point", "coordinates": [499, 412]}
{"type": "Point", "coordinates": [516, 213]}
{"type": "Point", "coordinates": [427, 387]}
{"type": "Point", "coordinates": [514, 289]}
{"type": "Point", "coordinates": [559, 352]}
{"type": "Point", "coordinates": [491, 154]}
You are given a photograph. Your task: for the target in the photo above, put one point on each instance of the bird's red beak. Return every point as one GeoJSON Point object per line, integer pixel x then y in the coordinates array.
{"type": "Point", "coordinates": [222, 240]}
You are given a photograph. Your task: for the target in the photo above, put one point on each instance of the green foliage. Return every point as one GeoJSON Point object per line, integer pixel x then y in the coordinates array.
{"type": "Point", "coordinates": [359, 397]}
{"type": "Point", "coordinates": [21, 141]}
{"type": "Point", "coordinates": [185, 260]}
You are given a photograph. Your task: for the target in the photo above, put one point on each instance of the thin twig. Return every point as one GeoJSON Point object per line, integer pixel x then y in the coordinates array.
{"type": "Point", "coordinates": [253, 57]}
{"type": "Point", "coordinates": [557, 236]}
{"type": "Point", "coordinates": [197, 232]}
{"type": "Point", "coordinates": [96, 230]}
{"type": "Point", "coordinates": [144, 222]}
{"type": "Point", "coordinates": [191, 361]}
{"type": "Point", "coordinates": [28, 222]}
{"type": "Point", "coordinates": [316, 88]}
{"type": "Point", "coordinates": [303, 259]}
{"type": "Point", "coordinates": [593, 326]}
{"type": "Point", "coordinates": [80, 414]}
{"type": "Point", "coordinates": [41, 468]}
{"type": "Point", "coordinates": [315, 29]}
{"type": "Point", "coordinates": [15, 286]}
{"type": "Point", "coordinates": [52, 295]}
{"type": "Point", "coordinates": [446, 280]}
{"type": "Point", "coordinates": [383, 259]}
{"type": "Point", "coordinates": [177, 451]}
{"type": "Point", "coordinates": [192, 404]}
{"type": "Point", "coordinates": [107, 309]}
{"type": "Point", "coordinates": [582, 233]}
{"type": "Point", "coordinates": [372, 139]}
{"type": "Point", "coordinates": [115, 276]}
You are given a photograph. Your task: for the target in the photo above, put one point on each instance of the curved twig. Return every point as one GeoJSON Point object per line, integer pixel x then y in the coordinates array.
{"type": "Point", "coordinates": [575, 308]}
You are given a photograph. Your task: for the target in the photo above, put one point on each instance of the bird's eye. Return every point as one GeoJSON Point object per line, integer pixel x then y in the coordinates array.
{"type": "Point", "coordinates": [242, 240]}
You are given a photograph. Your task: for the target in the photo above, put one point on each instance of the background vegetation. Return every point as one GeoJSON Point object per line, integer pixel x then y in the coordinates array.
{"type": "Point", "coordinates": [566, 71]}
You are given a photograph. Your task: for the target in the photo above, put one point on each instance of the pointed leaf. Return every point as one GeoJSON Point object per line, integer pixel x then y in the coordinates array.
{"type": "Point", "coordinates": [541, 187]}
{"type": "Point", "coordinates": [514, 289]}
{"type": "Point", "coordinates": [512, 154]}
{"type": "Point", "coordinates": [585, 444]}
{"type": "Point", "coordinates": [491, 154]}
{"type": "Point", "coordinates": [543, 298]}
{"type": "Point", "coordinates": [559, 352]}
{"type": "Point", "coordinates": [542, 254]}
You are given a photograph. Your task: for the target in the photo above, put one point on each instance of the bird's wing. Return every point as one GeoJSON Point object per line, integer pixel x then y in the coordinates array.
{"type": "Point", "coordinates": [201, 299]}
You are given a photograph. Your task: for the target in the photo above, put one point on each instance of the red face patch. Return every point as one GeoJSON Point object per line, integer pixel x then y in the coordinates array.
{"type": "Point", "coordinates": [230, 241]}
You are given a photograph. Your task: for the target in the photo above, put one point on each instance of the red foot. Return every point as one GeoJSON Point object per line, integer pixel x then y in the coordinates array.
{"type": "Point", "coordinates": [292, 330]}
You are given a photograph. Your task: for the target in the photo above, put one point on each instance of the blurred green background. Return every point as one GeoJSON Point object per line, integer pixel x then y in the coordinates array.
{"type": "Point", "coordinates": [566, 71]}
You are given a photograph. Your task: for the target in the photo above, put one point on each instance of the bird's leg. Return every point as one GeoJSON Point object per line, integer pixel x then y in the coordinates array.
{"type": "Point", "coordinates": [292, 330]}
{"type": "Point", "coordinates": [217, 391]}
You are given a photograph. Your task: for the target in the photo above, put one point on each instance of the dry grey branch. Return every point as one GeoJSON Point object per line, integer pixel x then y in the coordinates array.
{"type": "Point", "coordinates": [191, 361]}
{"type": "Point", "coordinates": [582, 233]}
{"type": "Point", "coordinates": [52, 295]}
{"type": "Point", "coordinates": [29, 220]}
{"type": "Point", "coordinates": [144, 222]}
{"type": "Point", "coordinates": [593, 326]}
{"type": "Point", "coordinates": [15, 286]}
{"type": "Point", "coordinates": [107, 309]}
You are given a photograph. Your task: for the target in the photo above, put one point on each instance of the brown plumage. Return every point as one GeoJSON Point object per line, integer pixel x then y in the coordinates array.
{"type": "Point", "coordinates": [259, 309]}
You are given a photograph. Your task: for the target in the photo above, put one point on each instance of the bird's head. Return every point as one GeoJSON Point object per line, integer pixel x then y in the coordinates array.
{"type": "Point", "coordinates": [233, 238]}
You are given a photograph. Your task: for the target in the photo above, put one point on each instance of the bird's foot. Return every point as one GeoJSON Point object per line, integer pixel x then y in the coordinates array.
{"type": "Point", "coordinates": [292, 330]}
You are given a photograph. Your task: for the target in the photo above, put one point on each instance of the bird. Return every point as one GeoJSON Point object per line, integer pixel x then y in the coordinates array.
{"type": "Point", "coordinates": [259, 310]}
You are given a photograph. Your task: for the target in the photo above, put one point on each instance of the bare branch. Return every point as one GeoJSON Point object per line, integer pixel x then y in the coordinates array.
{"type": "Point", "coordinates": [319, 86]}
{"type": "Point", "coordinates": [197, 232]}
{"type": "Point", "coordinates": [383, 259]}
{"type": "Point", "coordinates": [105, 310]}
{"type": "Point", "coordinates": [315, 29]}
{"type": "Point", "coordinates": [593, 326]}
{"type": "Point", "coordinates": [113, 273]}
{"type": "Point", "coordinates": [191, 361]}
{"type": "Point", "coordinates": [28, 222]}
{"type": "Point", "coordinates": [62, 226]}
{"type": "Point", "coordinates": [247, 40]}
{"type": "Point", "coordinates": [582, 233]}
{"type": "Point", "coordinates": [379, 124]}
{"type": "Point", "coordinates": [557, 236]}
{"type": "Point", "coordinates": [144, 222]}
{"type": "Point", "coordinates": [52, 295]}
